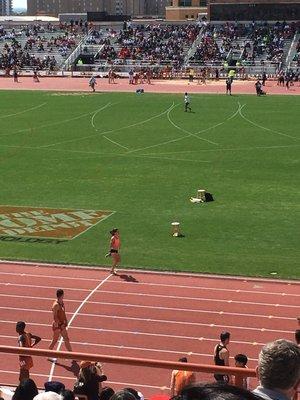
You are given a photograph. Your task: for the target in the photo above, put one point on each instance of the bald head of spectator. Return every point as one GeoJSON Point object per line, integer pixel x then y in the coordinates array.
{"type": "Point", "coordinates": [48, 396]}
{"type": "Point", "coordinates": [278, 370]}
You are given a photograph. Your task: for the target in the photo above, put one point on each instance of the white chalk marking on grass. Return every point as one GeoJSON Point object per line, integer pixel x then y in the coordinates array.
{"type": "Point", "coordinates": [168, 158]}
{"type": "Point", "coordinates": [116, 143]}
{"type": "Point", "coordinates": [117, 129]}
{"type": "Point", "coordinates": [263, 127]}
{"type": "Point", "coordinates": [188, 132]}
{"type": "Point", "coordinates": [93, 226]}
{"type": "Point", "coordinates": [93, 112]}
{"type": "Point", "coordinates": [229, 149]}
{"type": "Point", "coordinates": [47, 126]}
{"type": "Point", "coordinates": [73, 317]}
{"type": "Point", "coordinates": [97, 154]}
{"type": "Point", "coordinates": [187, 136]}
{"type": "Point", "coordinates": [96, 113]}
{"type": "Point", "coordinates": [23, 112]}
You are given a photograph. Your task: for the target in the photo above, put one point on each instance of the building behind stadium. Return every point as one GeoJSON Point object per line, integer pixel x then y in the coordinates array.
{"type": "Point", "coordinates": [5, 7]}
{"type": "Point", "coordinates": [135, 8]}
{"type": "Point", "coordinates": [234, 10]}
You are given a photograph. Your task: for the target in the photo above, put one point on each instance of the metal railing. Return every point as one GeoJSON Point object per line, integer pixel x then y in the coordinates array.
{"type": "Point", "coordinates": [131, 361]}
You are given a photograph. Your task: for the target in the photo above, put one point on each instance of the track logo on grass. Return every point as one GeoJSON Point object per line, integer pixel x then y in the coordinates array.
{"type": "Point", "coordinates": [48, 223]}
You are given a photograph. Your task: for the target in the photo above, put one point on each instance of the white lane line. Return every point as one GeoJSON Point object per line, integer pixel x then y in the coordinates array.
{"type": "Point", "coordinates": [117, 129]}
{"type": "Point", "coordinates": [202, 299]}
{"type": "Point", "coordinates": [162, 285]}
{"type": "Point", "coordinates": [152, 349]}
{"type": "Point", "coordinates": [185, 310]}
{"type": "Point", "coordinates": [207, 288]}
{"type": "Point", "coordinates": [22, 273]}
{"type": "Point", "coordinates": [96, 269]}
{"type": "Point", "coordinates": [23, 112]}
{"type": "Point", "coordinates": [73, 317]}
{"type": "Point", "coordinates": [140, 333]}
{"type": "Point", "coordinates": [165, 321]}
{"type": "Point", "coordinates": [265, 128]}
{"type": "Point", "coordinates": [187, 136]}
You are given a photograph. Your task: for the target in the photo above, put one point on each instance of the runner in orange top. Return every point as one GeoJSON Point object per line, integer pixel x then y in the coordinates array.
{"type": "Point", "coordinates": [115, 244]}
{"type": "Point", "coordinates": [25, 340]}
{"type": "Point", "coordinates": [60, 322]}
{"type": "Point", "coordinates": [180, 379]}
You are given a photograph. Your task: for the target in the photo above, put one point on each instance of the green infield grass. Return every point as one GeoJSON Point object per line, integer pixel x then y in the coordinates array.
{"type": "Point", "coordinates": [142, 158]}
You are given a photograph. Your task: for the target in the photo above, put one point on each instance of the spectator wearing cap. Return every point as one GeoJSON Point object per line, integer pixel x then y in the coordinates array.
{"type": "Point", "coordinates": [278, 370]}
{"type": "Point", "coordinates": [221, 356]}
{"type": "Point", "coordinates": [89, 380]}
{"type": "Point", "coordinates": [241, 362]}
{"type": "Point", "coordinates": [181, 378]}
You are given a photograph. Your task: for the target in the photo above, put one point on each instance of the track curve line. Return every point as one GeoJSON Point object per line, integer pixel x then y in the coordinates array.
{"type": "Point", "coordinates": [74, 316]}
{"type": "Point", "coordinates": [187, 136]}
{"type": "Point", "coordinates": [23, 112]}
{"type": "Point", "coordinates": [117, 129]}
{"type": "Point", "coordinates": [264, 127]}
{"type": "Point", "coordinates": [49, 125]}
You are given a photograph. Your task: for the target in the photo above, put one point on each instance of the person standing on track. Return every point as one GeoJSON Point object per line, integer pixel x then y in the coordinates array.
{"type": "Point", "coordinates": [115, 244]}
{"type": "Point", "coordinates": [60, 322]}
{"type": "Point", "coordinates": [187, 102]}
{"type": "Point", "coordinates": [25, 340]}
{"type": "Point", "coordinates": [228, 85]}
{"type": "Point", "coordinates": [221, 356]}
{"type": "Point", "coordinates": [180, 379]}
{"type": "Point", "coordinates": [93, 83]}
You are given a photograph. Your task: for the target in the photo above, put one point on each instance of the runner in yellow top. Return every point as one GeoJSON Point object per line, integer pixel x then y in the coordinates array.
{"type": "Point", "coordinates": [60, 322]}
{"type": "Point", "coordinates": [25, 340]}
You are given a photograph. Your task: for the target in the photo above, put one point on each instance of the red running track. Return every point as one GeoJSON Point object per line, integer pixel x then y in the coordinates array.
{"type": "Point", "coordinates": [140, 314]}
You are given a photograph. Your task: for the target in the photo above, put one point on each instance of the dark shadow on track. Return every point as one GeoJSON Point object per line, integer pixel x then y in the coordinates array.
{"type": "Point", "coordinates": [128, 278]}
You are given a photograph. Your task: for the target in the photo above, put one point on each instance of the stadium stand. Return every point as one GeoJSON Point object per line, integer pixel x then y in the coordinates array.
{"type": "Point", "coordinates": [167, 50]}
